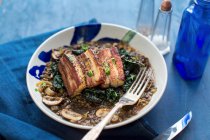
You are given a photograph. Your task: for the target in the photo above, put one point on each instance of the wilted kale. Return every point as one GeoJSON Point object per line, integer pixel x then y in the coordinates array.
{"type": "Point", "coordinates": [130, 63]}
{"type": "Point", "coordinates": [54, 68]}
{"type": "Point", "coordinates": [77, 52]}
{"type": "Point", "coordinates": [58, 82]}
{"type": "Point", "coordinates": [98, 95]}
{"type": "Point", "coordinates": [83, 47]}
{"type": "Point", "coordinates": [131, 68]}
{"type": "Point", "coordinates": [57, 79]}
{"type": "Point", "coordinates": [112, 95]}
{"type": "Point", "coordinates": [94, 95]}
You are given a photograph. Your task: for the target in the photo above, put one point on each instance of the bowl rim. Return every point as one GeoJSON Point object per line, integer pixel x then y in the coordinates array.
{"type": "Point", "coordinates": [125, 122]}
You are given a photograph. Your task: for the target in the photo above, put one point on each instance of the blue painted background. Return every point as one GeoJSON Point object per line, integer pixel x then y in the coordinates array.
{"type": "Point", "coordinates": [23, 18]}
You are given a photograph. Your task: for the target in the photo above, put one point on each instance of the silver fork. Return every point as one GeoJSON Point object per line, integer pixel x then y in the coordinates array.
{"type": "Point", "coordinates": [130, 98]}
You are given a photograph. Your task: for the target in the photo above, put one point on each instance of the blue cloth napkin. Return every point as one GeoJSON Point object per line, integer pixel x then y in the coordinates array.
{"type": "Point", "coordinates": [20, 119]}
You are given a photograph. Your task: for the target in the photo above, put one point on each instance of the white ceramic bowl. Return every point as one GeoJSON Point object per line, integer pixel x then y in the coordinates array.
{"type": "Point", "coordinates": [95, 32]}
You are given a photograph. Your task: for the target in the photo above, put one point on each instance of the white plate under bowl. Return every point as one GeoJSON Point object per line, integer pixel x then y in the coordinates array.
{"type": "Point", "coordinates": [95, 32]}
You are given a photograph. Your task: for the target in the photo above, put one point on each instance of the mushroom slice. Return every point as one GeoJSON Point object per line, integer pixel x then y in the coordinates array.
{"type": "Point", "coordinates": [49, 91]}
{"type": "Point", "coordinates": [43, 83]}
{"type": "Point", "coordinates": [48, 100]}
{"type": "Point", "coordinates": [71, 115]}
{"type": "Point", "coordinates": [56, 54]}
{"type": "Point", "coordinates": [102, 112]}
{"type": "Point", "coordinates": [115, 119]}
{"type": "Point", "coordinates": [54, 108]}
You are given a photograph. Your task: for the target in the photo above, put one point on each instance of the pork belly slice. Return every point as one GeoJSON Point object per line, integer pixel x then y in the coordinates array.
{"type": "Point", "coordinates": [111, 61]}
{"type": "Point", "coordinates": [103, 56]}
{"type": "Point", "coordinates": [93, 71]}
{"type": "Point", "coordinates": [117, 76]}
{"type": "Point", "coordinates": [72, 74]}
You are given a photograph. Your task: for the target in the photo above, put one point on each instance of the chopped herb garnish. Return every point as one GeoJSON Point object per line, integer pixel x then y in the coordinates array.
{"type": "Point", "coordinates": [43, 84]}
{"type": "Point", "coordinates": [36, 90]}
{"type": "Point", "coordinates": [107, 70]}
{"type": "Point", "coordinates": [84, 47]}
{"type": "Point", "coordinates": [113, 60]}
{"type": "Point", "coordinates": [131, 77]}
{"type": "Point", "coordinates": [90, 73]}
{"type": "Point", "coordinates": [71, 58]}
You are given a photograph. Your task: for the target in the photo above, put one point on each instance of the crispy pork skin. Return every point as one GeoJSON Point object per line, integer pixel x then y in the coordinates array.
{"type": "Point", "coordinates": [72, 74]}
{"type": "Point", "coordinates": [112, 64]}
{"type": "Point", "coordinates": [103, 56]}
{"type": "Point", "coordinates": [117, 76]}
{"type": "Point", "coordinates": [89, 69]}
{"type": "Point", "coordinates": [92, 70]}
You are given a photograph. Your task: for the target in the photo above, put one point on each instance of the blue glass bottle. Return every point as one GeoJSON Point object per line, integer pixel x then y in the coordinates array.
{"type": "Point", "coordinates": [193, 42]}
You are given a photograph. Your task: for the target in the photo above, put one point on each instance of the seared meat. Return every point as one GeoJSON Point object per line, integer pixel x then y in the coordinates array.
{"type": "Point", "coordinates": [111, 61]}
{"type": "Point", "coordinates": [72, 74]}
{"type": "Point", "coordinates": [92, 70]}
{"type": "Point", "coordinates": [89, 70]}
{"type": "Point", "coordinates": [117, 76]}
{"type": "Point", "coordinates": [103, 56]}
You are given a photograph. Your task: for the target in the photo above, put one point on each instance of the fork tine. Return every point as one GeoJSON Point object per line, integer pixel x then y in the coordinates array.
{"type": "Point", "coordinates": [149, 74]}
{"type": "Point", "coordinates": [137, 77]}
{"type": "Point", "coordinates": [141, 81]}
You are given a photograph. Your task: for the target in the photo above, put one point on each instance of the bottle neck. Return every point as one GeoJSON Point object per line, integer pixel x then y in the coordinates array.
{"type": "Point", "coordinates": [203, 3]}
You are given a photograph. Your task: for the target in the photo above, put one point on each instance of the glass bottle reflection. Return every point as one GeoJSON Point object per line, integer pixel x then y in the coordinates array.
{"type": "Point", "coordinates": [161, 30]}
{"type": "Point", "coordinates": [145, 17]}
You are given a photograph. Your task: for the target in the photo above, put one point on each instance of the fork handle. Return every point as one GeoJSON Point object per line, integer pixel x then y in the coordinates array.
{"type": "Point", "coordinates": [95, 131]}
